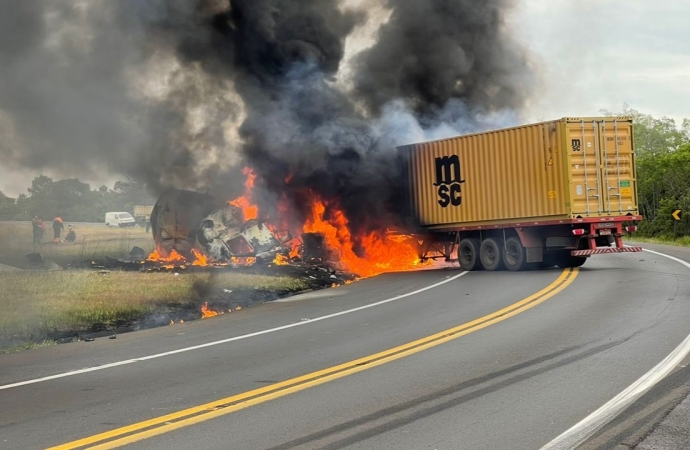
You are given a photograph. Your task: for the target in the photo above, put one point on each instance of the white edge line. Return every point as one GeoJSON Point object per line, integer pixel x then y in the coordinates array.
{"type": "Point", "coordinates": [225, 341]}
{"type": "Point", "coordinates": [584, 429]}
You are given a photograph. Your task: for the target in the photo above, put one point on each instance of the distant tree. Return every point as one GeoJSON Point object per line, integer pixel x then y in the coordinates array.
{"type": "Point", "coordinates": [73, 200]}
{"type": "Point", "coordinates": [133, 192]}
{"type": "Point", "coordinates": [8, 207]}
{"type": "Point", "coordinates": [685, 128]}
{"type": "Point", "coordinates": [655, 135]}
{"type": "Point", "coordinates": [40, 185]}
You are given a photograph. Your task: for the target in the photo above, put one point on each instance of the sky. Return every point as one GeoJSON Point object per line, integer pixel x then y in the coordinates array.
{"type": "Point", "coordinates": [594, 55]}
{"type": "Point", "coordinates": [588, 55]}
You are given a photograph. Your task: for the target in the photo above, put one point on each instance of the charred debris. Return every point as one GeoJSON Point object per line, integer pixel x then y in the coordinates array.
{"type": "Point", "coordinates": [194, 233]}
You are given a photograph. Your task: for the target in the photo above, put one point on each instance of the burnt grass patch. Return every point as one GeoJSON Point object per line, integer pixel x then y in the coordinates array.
{"type": "Point", "coordinates": [210, 290]}
{"type": "Point", "coordinates": [216, 298]}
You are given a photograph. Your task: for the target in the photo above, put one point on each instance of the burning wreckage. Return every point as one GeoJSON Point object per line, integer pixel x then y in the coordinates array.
{"type": "Point", "coordinates": [188, 225]}
{"type": "Point", "coordinates": [190, 228]}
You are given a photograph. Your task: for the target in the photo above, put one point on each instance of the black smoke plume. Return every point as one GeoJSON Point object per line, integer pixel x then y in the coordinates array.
{"type": "Point", "coordinates": [184, 94]}
{"type": "Point", "coordinates": [433, 52]}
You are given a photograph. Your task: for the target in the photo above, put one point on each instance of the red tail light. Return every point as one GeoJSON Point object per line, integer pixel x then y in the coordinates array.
{"type": "Point", "coordinates": [631, 229]}
{"type": "Point", "coordinates": [579, 231]}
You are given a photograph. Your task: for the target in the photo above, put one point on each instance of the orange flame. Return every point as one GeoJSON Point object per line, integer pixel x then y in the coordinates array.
{"type": "Point", "coordinates": [199, 259]}
{"type": "Point", "coordinates": [243, 261]}
{"type": "Point", "coordinates": [377, 252]}
{"type": "Point", "coordinates": [381, 254]}
{"type": "Point", "coordinates": [206, 313]}
{"type": "Point", "coordinates": [175, 260]}
{"type": "Point", "coordinates": [250, 211]}
{"type": "Point", "coordinates": [281, 260]}
{"type": "Point", "coordinates": [174, 257]}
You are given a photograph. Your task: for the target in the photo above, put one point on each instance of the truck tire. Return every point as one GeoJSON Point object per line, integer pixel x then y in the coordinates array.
{"type": "Point", "coordinates": [491, 254]}
{"type": "Point", "coordinates": [468, 254]}
{"type": "Point", "coordinates": [515, 256]}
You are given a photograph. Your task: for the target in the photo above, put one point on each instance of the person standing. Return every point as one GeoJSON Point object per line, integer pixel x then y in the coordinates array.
{"type": "Point", "coordinates": [36, 230]}
{"type": "Point", "coordinates": [57, 228]}
{"type": "Point", "coordinates": [42, 229]}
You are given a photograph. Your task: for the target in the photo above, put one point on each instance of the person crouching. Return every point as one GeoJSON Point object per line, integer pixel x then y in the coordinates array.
{"type": "Point", "coordinates": [71, 235]}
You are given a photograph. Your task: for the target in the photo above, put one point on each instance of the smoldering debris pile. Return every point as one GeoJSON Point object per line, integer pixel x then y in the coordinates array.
{"type": "Point", "coordinates": [315, 272]}
{"type": "Point", "coordinates": [194, 233]}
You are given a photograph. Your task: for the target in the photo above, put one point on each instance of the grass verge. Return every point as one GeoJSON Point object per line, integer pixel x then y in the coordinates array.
{"type": "Point", "coordinates": [680, 242]}
{"type": "Point", "coordinates": [94, 241]}
{"type": "Point", "coordinates": [39, 308]}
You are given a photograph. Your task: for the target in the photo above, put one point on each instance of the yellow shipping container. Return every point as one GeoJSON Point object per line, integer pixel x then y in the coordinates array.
{"type": "Point", "coordinates": [570, 168]}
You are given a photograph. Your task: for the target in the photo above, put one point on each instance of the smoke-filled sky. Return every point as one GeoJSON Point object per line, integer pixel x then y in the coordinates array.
{"type": "Point", "coordinates": [184, 93]}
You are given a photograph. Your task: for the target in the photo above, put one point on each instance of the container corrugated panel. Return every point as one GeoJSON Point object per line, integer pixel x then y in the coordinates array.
{"type": "Point", "coordinates": [576, 167]}
{"type": "Point", "coordinates": [601, 164]}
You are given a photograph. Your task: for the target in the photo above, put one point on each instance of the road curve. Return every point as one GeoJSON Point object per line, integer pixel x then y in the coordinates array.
{"type": "Point", "coordinates": [516, 383]}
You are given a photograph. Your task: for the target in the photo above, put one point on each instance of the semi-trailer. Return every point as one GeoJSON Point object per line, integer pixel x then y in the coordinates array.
{"type": "Point", "coordinates": [543, 194]}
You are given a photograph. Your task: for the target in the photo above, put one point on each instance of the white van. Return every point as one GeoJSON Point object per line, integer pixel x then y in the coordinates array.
{"type": "Point", "coordinates": [119, 219]}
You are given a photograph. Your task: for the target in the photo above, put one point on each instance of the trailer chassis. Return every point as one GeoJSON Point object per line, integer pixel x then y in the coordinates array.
{"type": "Point", "coordinates": [528, 244]}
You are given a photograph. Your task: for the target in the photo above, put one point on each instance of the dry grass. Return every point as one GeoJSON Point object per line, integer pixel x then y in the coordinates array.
{"type": "Point", "coordinates": [93, 242]}
{"type": "Point", "coordinates": [39, 306]}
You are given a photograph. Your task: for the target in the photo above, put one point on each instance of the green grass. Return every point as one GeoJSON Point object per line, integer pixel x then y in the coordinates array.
{"type": "Point", "coordinates": [38, 306]}
{"type": "Point", "coordinates": [683, 241]}
{"type": "Point", "coordinates": [93, 242]}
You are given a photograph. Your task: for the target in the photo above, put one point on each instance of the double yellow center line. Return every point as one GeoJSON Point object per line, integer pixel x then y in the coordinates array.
{"type": "Point", "coordinates": [190, 416]}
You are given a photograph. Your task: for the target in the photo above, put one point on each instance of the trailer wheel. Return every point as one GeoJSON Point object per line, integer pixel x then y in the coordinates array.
{"type": "Point", "coordinates": [490, 254]}
{"type": "Point", "coordinates": [468, 254]}
{"type": "Point", "coordinates": [515, 256]}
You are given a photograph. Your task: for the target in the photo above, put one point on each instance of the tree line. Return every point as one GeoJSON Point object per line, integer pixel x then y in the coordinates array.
{"type": "Point", "coordinates": [663, 173]}
{"type": "Point", "coordinates": [662, 150]}
{"type": "Point", "coordinates": [73, 200]}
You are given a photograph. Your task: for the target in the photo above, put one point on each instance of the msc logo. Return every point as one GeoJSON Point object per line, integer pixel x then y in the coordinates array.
{"type": "Point", "coordinates": [448, 180]}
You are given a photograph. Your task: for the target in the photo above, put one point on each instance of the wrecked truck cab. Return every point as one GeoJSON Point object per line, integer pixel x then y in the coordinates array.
{"type": "Point", "coordinates": [189, 222]}
{"type": "Point", "coordinates": [175, 219]}
{"type": "Point", "coordinates": [223, 235]}
{"type": "Point", "coordinates": [261, 240]}
{"type": "Point", "coordinates": [216, 229]}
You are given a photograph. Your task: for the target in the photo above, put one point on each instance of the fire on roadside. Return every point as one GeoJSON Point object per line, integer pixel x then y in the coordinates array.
{"type": "Point", "coordinates": [206, 312]}
{"type": "Point", "coordinates": [380, 252]}
{"type": "Point", "coordinates": [365, 255]}
{"type": "Point", "coordinates": [174, 257]}
{"type": "Point", "coordinates": [199, 258]}
{"type": "Point", "coordinates": [281, 260]}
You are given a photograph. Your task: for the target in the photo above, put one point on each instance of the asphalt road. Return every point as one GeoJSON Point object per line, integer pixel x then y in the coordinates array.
{"type": "Point", "coordinates": [516, 381]}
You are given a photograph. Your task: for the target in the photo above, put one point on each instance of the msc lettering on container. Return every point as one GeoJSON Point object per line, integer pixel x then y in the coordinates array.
{"type": "Point", "coordinates": [449, 180]}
